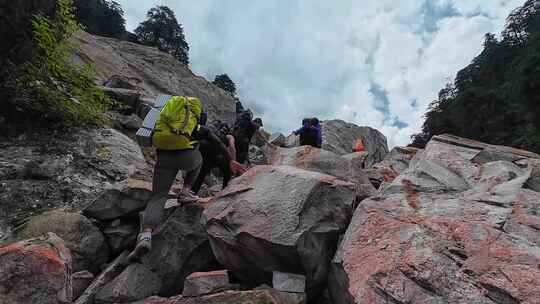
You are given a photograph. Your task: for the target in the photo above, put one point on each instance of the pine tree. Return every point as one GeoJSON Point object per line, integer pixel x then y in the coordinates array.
{"type": "Point", "coordinates": [162, 30]}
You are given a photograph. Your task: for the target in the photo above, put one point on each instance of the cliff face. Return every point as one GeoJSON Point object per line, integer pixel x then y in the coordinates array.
{"type": "Point", "coordinates": [121, 64]}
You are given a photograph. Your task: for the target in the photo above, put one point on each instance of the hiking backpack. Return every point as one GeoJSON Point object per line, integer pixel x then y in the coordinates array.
{"type": "Point", "coordinates": [243, 120]}
{"type": "Point", "coordinates": [177, 121]}
{"type": "Point", "coordinates": [220, 129]}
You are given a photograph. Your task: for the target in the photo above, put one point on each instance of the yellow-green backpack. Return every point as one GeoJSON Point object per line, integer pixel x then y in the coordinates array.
{"type": "Point", "coordinates": [177, 121]}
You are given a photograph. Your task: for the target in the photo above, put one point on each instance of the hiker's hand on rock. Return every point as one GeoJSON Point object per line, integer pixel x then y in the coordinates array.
{"type": "Point", "coordinates": [236, 167]}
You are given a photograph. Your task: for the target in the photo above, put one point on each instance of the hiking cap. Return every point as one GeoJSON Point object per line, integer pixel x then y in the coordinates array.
{"type": "Point", "coordinates": [258, 121]}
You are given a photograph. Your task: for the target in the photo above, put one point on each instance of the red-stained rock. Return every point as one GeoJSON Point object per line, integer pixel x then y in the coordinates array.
{"type": "Point", "coordinates": [279, 219]}
{"type": "Point", "coordinates": [348, 167]}
{"type": "Point", "coordinates": [266, 296]}
{"type": "Point", "coordinates": [36, 271]}
{"type": "Point", "coordinates": [448, 230]}
{"type": "Point", "coordinates": [392, 165]}
{"type": "Point", "coordinates": [201, 283]}
{"type": "Point", "coordinates": [85, 241]}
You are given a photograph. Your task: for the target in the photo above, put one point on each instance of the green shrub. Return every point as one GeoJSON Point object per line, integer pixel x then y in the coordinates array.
{"type": "Point", "coordinates": [51, 90]}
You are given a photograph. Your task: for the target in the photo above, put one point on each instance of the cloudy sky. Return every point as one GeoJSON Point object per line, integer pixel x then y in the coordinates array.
{"type": "Point", "coordinates": [373, 62]}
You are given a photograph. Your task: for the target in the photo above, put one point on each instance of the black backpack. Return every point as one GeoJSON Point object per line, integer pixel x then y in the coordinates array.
{"type": "Point", "coordinates": [220, 129]}
{"type": "Point", "coordinates": [243, 120]}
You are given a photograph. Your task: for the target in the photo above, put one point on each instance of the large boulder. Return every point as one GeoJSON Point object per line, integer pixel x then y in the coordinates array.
{"type": "Point", "coordinates": [340, 136]}
{"type": "Point", "coordinates": [53, 170]}
{"type": "Point", "coordinates": [392, 165]}
{"type": "Point", "coordinates": [347, 167]}
{"type": "Point", "coordinates": [121, 234]}
{"type": "Point", "coordinates": [150, 72]}
{"type": "Point", "coordinates": [278, 139]}
{"type": "Point", "coordinates": [292, 141]}
{"type": "Point", "coordinates": [87, 244]}
{"type": "Point", "coordinates": [36, 271]}
{"type": "Point", "coordinates": [279, 219]}
{"type": "Point", "coordinates": [261, 296]}
{"type": "Point", "coordinates": [203, 283]}
{"type": "Point", "coordinates": [124, 199]}
{"type": "Point", "coordinates": [457, 226]}
{"type": "Point", "coordinates": [136, 282]}
{"type": "Point", "coordinates": [80, 282]}
{"type": "Point", "coordinates": [180, 248]}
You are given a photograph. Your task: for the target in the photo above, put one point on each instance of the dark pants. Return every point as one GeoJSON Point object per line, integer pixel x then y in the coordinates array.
{"type": "Point", "coordinates": [167, 165]}
{"type": "Point", "coordinates": [242, 151]}
{"type": "Point", "coordinates": [210, 163]}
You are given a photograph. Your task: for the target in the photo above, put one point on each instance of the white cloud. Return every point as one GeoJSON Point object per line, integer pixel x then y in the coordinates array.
{"type": "Point", "coordinates": [293, 58]}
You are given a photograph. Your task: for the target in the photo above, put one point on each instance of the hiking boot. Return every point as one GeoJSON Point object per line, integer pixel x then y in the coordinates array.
{"type": "Point", "coordinates": [144, 245]}
{"type": "Point", "coordinates": [187, 197]}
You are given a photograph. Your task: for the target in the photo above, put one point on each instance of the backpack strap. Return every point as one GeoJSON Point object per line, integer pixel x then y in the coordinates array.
{"type": "Point", "coordinates": [181, 131]}
{"type": "Point", "coordinates": [187, 108]}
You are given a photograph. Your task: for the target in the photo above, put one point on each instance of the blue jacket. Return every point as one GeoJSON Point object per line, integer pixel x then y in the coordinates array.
{"type": "Point", "coordinates": [302, 129]}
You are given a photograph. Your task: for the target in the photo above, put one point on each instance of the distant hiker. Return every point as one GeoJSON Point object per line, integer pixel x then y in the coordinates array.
{"type": "Point", "coordinates": [178, 123]}
{"type": "Point", "coordinates": [244, 130]}
{"type": "Point", "coordinates": [217, 154]}
{"type": "Point", "coordinates": [317, 125]}
{"type": "Point", "coordinates": [310, 133]}
{"type": "Point", "coordinates": [359, 145]}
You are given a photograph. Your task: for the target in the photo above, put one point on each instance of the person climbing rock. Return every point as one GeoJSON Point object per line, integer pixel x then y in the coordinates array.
{"type": "Point", "coordinates": [317, 126]}
{"type": "Point", "coordinates": [175, 138]}
{"type": "Point", "coordinates": [243, 132]}
{"type": "Point", "coordinates": [218, 154]}
{"type": "Point", "coordinates": [310, 133]}
{"type": "Point", "coordinates": [359, 145]}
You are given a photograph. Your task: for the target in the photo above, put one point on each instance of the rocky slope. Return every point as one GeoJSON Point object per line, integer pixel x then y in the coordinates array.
{"type": "Point", "coordinates": [49, 171]}
{"type": "Point", "coordinates": [458, 226]}
{"type": "Point", "coordinates": [458, 222]}
{"type": "Point", "coordinates": [148, 71]}
{"type": "Point", "coordinates": [455, 223]}
{"type": "Point", "coordinates": [340, 136]}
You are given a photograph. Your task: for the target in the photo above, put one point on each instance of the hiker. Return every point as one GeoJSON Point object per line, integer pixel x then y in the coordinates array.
{"type": "Point", "coordinates": [216, 154]}
{"type": "Point", "coordinates": [310, 133]}
{"type": "Point", "coordinates": [359, 145]}
{"type": "Point", "coordinates": [244, 130]}
{"type": "Point", "coordinates": [317, 126]}
{"type": "Point", "coordinates": [174, 134]}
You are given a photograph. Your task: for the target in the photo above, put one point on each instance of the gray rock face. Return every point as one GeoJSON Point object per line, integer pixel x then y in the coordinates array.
{"type": "Point", "coordinates": [121, 235]}
{"type": "Point", "coordinates": [260, 296]}
{"type": "Point", "coordinates": [392, 165]}
{"type": "Point", "coordinates": [63, 170]}
{"type": "Point", "coordinates": [292, 141]}
{"type": "Point", "coordinates": [457, 226]}
{"type": "Point", "coordinates": [127, 122]}
{"type": "Point", "coordinates": [126, 97]}
{"type": "Point", "coordinates": [279, 219]}
{"type": "Point", "coordinates": [36, 271]}
{"type": "Point", "coordinates": [120, 200]}
{"type": "Point", "coordinates": [180, 248]}
{"type": "Point", "coordinates": [151, 72]}
{"type": "Point", "coordinates": [347, 167]}
{"type": "Point", "coordinates": [80, 281]}
{"type": "Point", "coordinates": [136, 282]}
{"type": "Point", "coordinates": [113, 270]}
{"type": "Point", "coordinates": [257, 156]}
{"type": "Point", "coordinates": [278, 139]}
{"type": "Point", "coordinates": [85, 241]}
{"type": "Point", "coordinates": [339, 137]}
{"type": "Point", "coordinates": [289, 282]}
